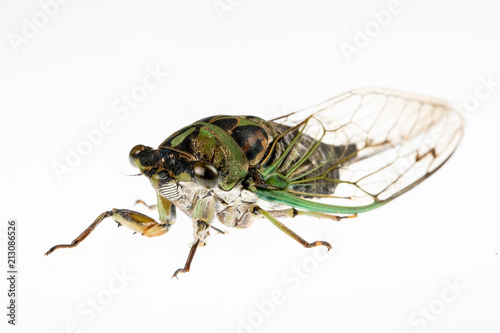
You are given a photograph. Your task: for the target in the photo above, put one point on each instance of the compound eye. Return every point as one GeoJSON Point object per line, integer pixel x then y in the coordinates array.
{"type": "Point", "coordinates": [206, 175]}
{"type": "Point", "coordinates": [132, 157]}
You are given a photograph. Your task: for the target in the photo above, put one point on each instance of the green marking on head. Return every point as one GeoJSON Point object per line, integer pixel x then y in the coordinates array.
{"type": "Point", "coordinates": [183, 177]}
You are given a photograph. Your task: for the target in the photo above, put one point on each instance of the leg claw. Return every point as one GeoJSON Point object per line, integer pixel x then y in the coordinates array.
{"type": "Point", "coordinates": [318, 243]}
{"type": "Point", "coordinates": [180, 270]}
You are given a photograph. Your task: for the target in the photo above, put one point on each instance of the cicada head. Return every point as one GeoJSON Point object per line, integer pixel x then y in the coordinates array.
{"type": "Point", "coordinates": [165, 168]}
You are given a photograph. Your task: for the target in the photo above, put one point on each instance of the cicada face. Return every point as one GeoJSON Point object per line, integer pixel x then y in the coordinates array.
{"type": "Point", "coordinates": [166, 168]}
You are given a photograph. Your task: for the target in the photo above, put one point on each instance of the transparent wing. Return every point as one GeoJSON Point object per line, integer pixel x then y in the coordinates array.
{"type": "Point", "coordinates": [363, 147]}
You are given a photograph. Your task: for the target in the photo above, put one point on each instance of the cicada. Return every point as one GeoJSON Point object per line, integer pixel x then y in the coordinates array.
{"type": "Point", "coordinates": [348, 155]}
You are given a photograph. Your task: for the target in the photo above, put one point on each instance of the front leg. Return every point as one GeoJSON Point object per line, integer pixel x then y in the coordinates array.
{"type": "Point", "coordinates": [138, 222]}
{"type": "Point", "coordinates": [202, 215]}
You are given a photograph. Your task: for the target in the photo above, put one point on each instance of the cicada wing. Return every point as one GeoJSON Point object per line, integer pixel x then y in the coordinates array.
{"type": "Point", "coordinates": [363, 147]}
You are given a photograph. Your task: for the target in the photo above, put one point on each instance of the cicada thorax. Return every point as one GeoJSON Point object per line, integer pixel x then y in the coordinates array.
{"type": "Point", "coordinates": [237, 144]}
{"type": "Point", "coordinates": [232, 144]}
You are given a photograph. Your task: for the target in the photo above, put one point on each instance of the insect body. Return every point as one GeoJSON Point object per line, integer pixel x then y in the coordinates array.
{"type": "Point", "coordinates": [348, 155]}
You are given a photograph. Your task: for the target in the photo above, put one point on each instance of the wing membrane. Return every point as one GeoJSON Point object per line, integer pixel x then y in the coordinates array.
{"type": "Point", "coordinates": [362, 148]}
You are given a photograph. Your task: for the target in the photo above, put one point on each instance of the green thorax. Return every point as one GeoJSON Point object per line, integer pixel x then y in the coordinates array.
{"type": "Point", "coordinates": [233, 144]}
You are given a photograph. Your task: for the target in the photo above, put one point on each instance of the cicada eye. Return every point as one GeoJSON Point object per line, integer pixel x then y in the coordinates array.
{"type": "Point", "coordinates": [206, 175]}
{"type": "Point", "coordinates": [132, 157]}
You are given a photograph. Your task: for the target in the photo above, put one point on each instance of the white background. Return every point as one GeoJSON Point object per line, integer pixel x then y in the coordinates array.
{"type": "Point", "coordinates": [391, 270]}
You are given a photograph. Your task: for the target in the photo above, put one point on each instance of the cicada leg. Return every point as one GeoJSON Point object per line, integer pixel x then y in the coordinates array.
{"type": "Point", "coordinates": [145, 204]}
{"type": "Point", "coordinates": [187, 266]}
{"type": "Point", "coordinates": [219, 231]}
{"type": "Point", "coordinates": [136, 221]}
{"type": "Point", "coordinates": [292, 212]}
{"type": "Point", "coordinates": [257, 210]}
{"type": "Point", "coordinates": [202, 215]}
